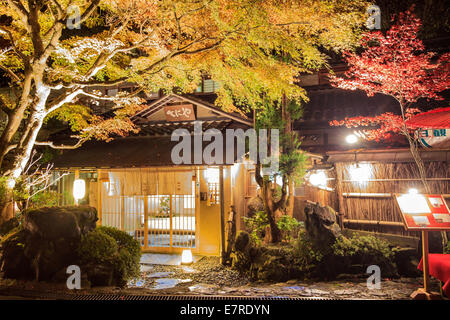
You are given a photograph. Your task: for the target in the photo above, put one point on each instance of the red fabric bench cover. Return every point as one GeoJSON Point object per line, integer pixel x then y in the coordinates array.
{"type": "Point", "coordinates": [439, 265]}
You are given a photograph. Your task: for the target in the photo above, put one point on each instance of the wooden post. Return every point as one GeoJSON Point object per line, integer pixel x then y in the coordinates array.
{"type": "Point", "coordinates": [340, 196]}
{"type": "Point", "coordinates": [77, 175]}
{"type": "Point", "coordinates": [145, 221]}
{"type": "Point", "coordinates": [99, 197]}
{"type": "Point", "coordinates": [231, 233]}
{"type": "Point", "coordinates": [222, 216]}
{"type": "Point", "coordinates": [122, 209]}
{"type": "Point", "coordinates": [197, 208]}
{"type": "Point", "coordinates": [425, 292]}
{"type": "Point", "coordinates": [171, 220]}
{"type": "Point", "coordinates": [426, 276]}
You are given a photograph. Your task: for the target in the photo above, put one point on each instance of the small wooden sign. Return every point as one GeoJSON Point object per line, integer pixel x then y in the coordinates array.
{"type": "Point", "coordinates": [423, 211]}
{"type": "Point", "coordinates": [182, 112]}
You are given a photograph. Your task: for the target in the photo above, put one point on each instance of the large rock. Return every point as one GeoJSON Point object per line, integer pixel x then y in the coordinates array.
{"type": "Point", "coordinates": [47, 242]}
{"type": "Point", "coordinates": [13, 261]}
{"type": "Point", "coordinates": [321, 224]}
{"type": "Point", "coordinates": [8, 226]}
{"type": "Point", "coordinates": [53, 223]}
{"type": "Point", "coordinates": [255, 204]}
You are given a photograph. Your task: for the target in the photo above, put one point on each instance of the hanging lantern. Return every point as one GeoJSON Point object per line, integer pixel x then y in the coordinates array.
{"type": "Point", "coordinates": [79, 189]}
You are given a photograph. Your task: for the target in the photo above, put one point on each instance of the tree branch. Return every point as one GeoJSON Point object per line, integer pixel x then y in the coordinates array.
{"type": "Point", "coordinates": [13, 76]}
{"type": "Point", "coordinates": [14, 46]}
{"type": "Point", "coordinates": [52, 145]}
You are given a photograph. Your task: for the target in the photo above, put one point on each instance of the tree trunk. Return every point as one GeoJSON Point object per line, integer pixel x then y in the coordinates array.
{"type": "Point", "coordinates": [290, 200]}
{"type": "Point", "coordinates": [286, 117]}
{"type": "Point", "coordinates": [22, 152]}
{"type": "Point", "coordinates": [270, 208]}
{"type": "Point", "coordinates": [7, 211]}
{"type": "Point", "coordinates": [231, 234]}
{"type": "Point", "coordinates": [275, 232]}
{"type": "Point", "coordinates": [15, 118]}
{"type": "Point", "coordinates": [420, 166]}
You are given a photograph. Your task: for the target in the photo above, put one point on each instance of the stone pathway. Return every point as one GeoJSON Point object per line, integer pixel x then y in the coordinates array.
{"type": "Point", "coordinates": [208, 277]}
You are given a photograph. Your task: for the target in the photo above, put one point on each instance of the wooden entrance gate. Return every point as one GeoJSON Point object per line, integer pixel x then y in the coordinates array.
{"type": "Point", "coordinates": [160, 222]}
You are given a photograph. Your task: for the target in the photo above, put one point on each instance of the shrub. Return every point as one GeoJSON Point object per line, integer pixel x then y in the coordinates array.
{"type": "Point", "coordinates": [366, 246]}
{"type": "Point", "coordinates": [304, 258]}
{"type": "Point", "coordinates": [288, 226]}
{"type": "Point", "coordinates": [307, 256]}
{"type": "Point", "coordinates": [97, 247]}
{"type": "Point", "coordinates": [268, 263]}
{"type": "Point", "coordinates": [129, 252]}
{"type": "Point", "coordinates": [111, 252]}
{"type": "Point", "coordinates": [257, 225]}
{"type": "Point", "coordinates": [44, 199]}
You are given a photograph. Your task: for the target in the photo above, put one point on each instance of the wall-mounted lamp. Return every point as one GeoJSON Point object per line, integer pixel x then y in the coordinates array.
{"type": "Point", "coordinates": [318, 179]}
{"type": "Point", "coordinates": [351, 139]}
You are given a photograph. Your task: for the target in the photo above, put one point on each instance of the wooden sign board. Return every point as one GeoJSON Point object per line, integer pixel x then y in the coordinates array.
{"type": "Point", "coordinates": [182, 112]}
{"type": "Point", "coordinates": [437, 138]}
{"type": "Point", "coordinates": [423, 211]}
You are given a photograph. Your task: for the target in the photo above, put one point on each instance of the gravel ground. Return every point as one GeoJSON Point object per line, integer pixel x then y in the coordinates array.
{"type": "Point", "coordinates": [206, 270]}
{"type": "Point", "coordinates": [208, 277]}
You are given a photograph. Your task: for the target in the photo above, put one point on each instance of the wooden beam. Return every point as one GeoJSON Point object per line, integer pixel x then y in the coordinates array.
{"type": "Point", "coordinates": [222, 215]}
{"type": "Point", "coordinates": [374, 222]}
{"type": "Point", "coordinates": [340, 196]}
{"type": "Point", "coordinates": [99, 197]}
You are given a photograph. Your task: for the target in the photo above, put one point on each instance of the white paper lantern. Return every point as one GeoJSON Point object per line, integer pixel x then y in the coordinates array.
{"type": "Point", "coordinates": [79, 189]}
{"type": "Point", "coordinates": [186, 257]}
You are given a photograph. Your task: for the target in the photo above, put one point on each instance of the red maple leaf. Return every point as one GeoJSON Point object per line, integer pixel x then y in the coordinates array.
{"type": "Point", "coordinates": [394, 64]}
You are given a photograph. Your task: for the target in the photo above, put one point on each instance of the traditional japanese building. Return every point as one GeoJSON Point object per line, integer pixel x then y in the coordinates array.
{"type": "Point", "coordinates": [136, 186]}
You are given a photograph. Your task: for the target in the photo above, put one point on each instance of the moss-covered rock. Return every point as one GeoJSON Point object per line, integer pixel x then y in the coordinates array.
{"type": "Point", "coordinates": [366, 251]}
{"type": "Point", "coordinates": [52, 223]}
{"type": "Point", "coordinates": [305, 259]}
{"type": "Point", "coordinates": [241, 258]}
{"type": "Point", "coordinates": [242, 241]}
{"type": "Point", "coordinates": [9, 226]}
{"type": "Point", "coordinates": [407, 260]}
{"type": "Point", "coordinates": [321, 225]}
{"type": "Point", "coordinates": [13, 261]}
{"type": "Point", "coordinates": [268, 263]}
{"type": "Point", "coordinates": [49, 238]}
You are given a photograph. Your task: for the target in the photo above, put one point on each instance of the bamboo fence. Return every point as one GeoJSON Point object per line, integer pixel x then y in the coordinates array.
{"type": "Point", "coordinates": [369, 205]}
